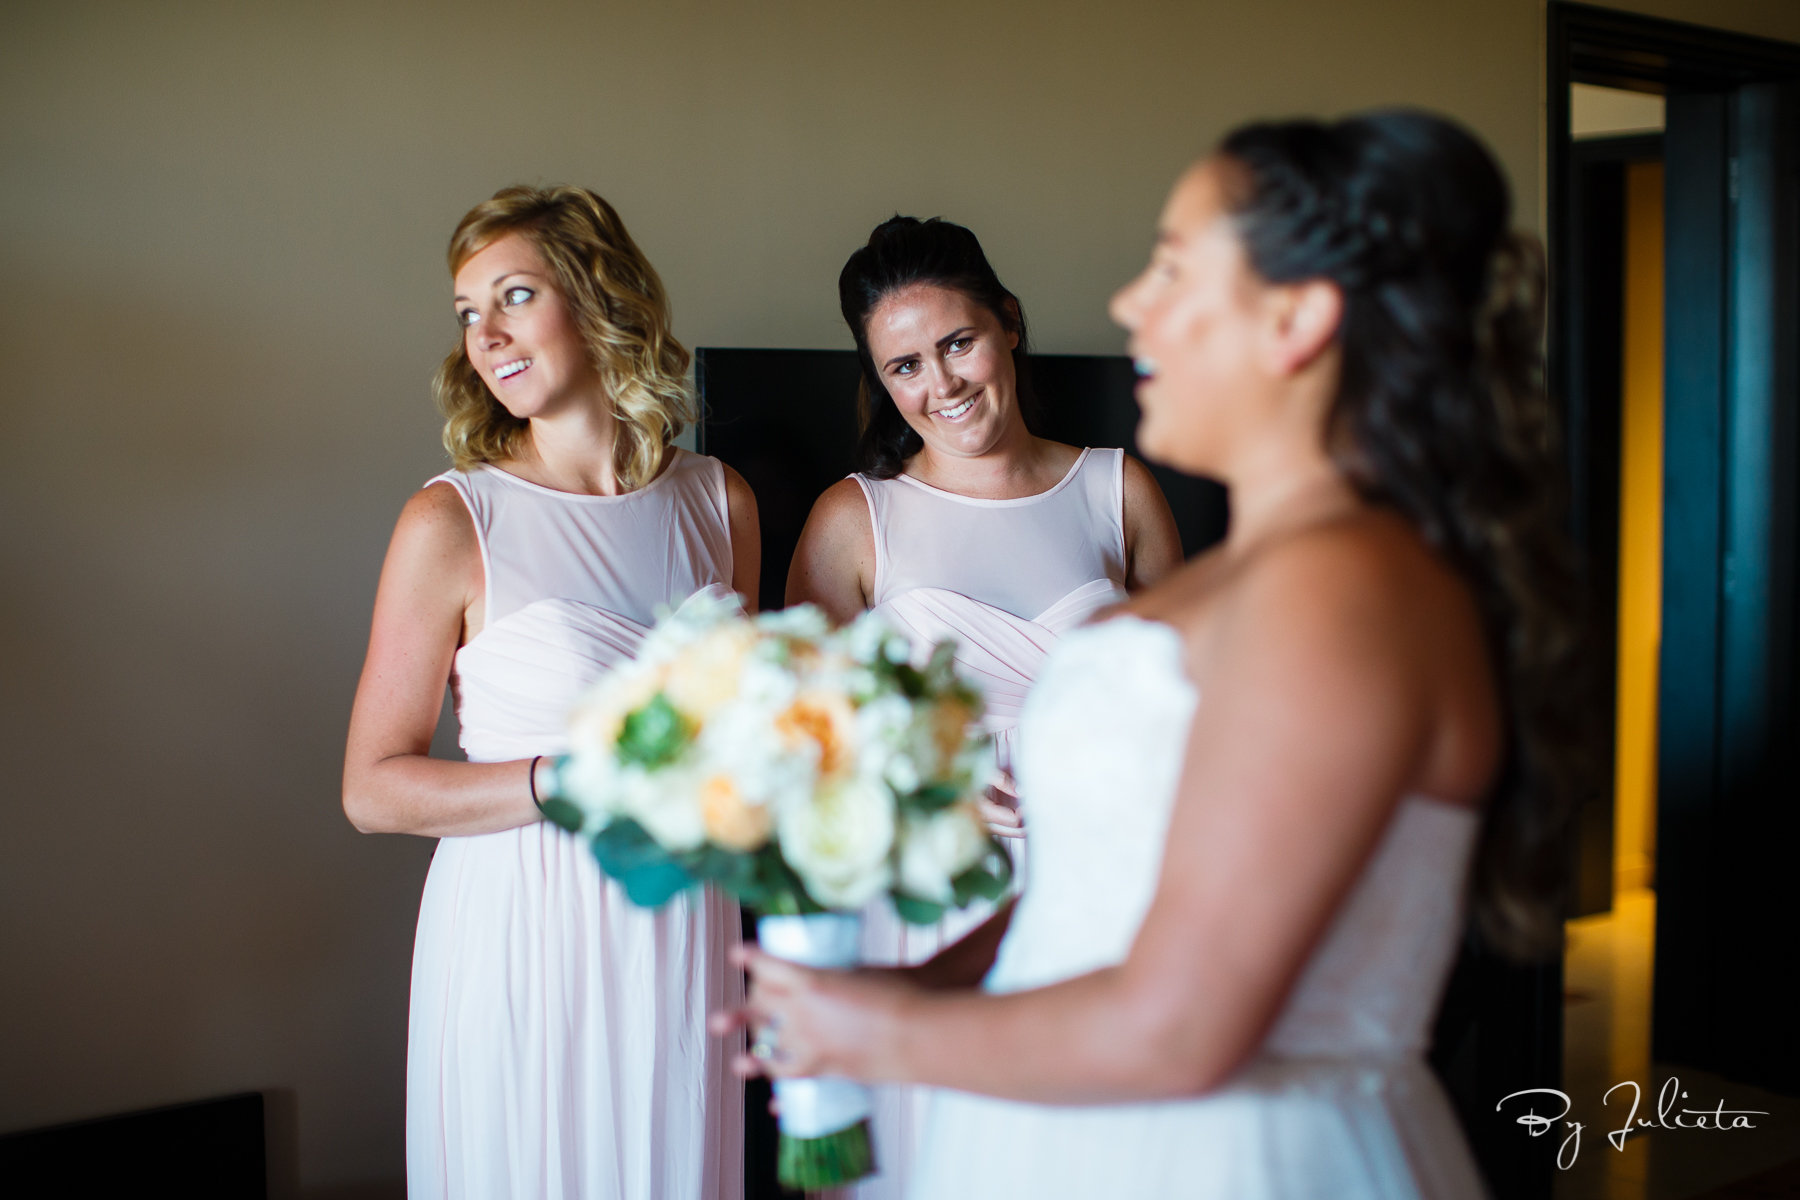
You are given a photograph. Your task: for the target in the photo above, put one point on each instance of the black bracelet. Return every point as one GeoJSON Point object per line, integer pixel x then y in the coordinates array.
{"type": "Point", "coordinates": [531, 777]}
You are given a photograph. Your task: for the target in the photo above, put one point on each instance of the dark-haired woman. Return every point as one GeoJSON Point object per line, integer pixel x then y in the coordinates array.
{"type": "Point", "coordinates": [962, 523]}
{"type": "Point", "coordinates": [1316, 731]}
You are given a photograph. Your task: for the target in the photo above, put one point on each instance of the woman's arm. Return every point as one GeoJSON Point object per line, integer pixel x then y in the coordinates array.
{"type": "Point", "coordinates": [431, 583]}
{"type": "Point", "coordinates": [746, 539]}
{"type": "Point", "coordinates": [1152, 541]}
{"type": "Point", "coordinates": [1315, 718]}
{"type": "Point", "coordinates": [834, 564]}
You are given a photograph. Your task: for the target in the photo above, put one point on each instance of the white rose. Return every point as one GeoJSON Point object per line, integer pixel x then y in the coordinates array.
{"type": "Point", "coordinates": [935, 849]}
{"type": "Point", "coordinates": [667, 804]}
{"type": "Point", "coordinates": [591, 783]}
{"type": "Point", "coordinates": [766, 681]}
{"type": "Point", "coordinates": [697, 615]}
{"type": "Point", "coordinates": [806, 622]}
{"type": "Point", "coordinates": [865, 637]}
{"type": "Point", "coordinates": [838, 841]}
{"type": "Point", "coordinates": [741, 740]}
{"type": "Point", "coordinates": [901, 772]}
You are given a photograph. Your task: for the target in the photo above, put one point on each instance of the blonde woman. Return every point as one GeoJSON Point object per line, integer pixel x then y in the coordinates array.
{"type": "Point", "coordinates": [556, 1045]}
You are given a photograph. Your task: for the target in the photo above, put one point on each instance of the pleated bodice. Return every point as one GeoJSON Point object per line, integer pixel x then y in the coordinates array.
{"type": "Point", "coordinates": [1004, 578]}
{"type": "Point", "coordinates": [573, 584]}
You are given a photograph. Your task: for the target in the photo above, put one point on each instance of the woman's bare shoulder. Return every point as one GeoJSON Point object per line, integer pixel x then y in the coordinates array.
{"type": "Point", "coordinates": [1138, 478]}
{"type": "Point", "coordinates": [1365, 583]}
{"type": "Point", "coordinates": [435, 542]}
{"type": "Point", "coordinates": [738, 493]}
{"type": "Point", "coordinates": [841, 507]}
{"type": "Point", "coordinates": [436, 515]}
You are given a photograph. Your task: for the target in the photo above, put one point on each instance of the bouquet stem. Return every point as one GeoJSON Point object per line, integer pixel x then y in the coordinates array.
{"type": "Point", "coordinates": [825, 1139]}
{"type": "Point", "coordinates": [814, 1164]}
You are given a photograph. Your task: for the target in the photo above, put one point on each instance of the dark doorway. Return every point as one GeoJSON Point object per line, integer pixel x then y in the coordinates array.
{"type": "Point", "coordinates": [1726, 818]}
{"type": "Point", "coordinates": [1725, 791]}
{"type": "Point", "coordinates": [1705, 874]}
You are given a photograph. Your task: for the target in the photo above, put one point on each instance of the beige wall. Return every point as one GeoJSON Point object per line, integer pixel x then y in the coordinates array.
{"type": "Point", "coordinates": [222, 293]}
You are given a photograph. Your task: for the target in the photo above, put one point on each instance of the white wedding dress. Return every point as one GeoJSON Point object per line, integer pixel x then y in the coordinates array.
{"type": "Point", "coordinates": [1338, 1103]}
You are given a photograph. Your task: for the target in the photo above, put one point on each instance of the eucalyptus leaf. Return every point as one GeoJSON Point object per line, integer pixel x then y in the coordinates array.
{"type": "Point", "coordinates": [914, 911]}
{"type": "Point", "coordinates": [655, 886]}
{"type": "Point", "coordinates": [733, 870]}
{"type": "Point", "coordinates": [977, 883]}
{"type": "Point", "coordinates": [649, 874]}
{"type": "Point", "coordinates": [932, 797]}
{"type": "Point", "coordinates": [558, 811]}
{"type": "Point", "coordinates": [779, 890]}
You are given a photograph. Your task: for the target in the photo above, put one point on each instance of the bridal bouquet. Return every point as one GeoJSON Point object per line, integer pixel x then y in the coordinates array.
{"type": "Point", "coordinates": [807, 771]}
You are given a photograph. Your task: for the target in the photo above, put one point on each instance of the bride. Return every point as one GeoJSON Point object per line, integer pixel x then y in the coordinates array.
{"type": "Point", "coordinates": [1262, 790]}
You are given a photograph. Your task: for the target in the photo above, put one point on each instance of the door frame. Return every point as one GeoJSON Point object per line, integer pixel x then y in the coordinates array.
{"type": "Point", "coordinates": [1726, 803]}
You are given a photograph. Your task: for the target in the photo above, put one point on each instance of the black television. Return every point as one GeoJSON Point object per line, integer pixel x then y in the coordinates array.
{"type": "Point", "coordinates": [786, 421]}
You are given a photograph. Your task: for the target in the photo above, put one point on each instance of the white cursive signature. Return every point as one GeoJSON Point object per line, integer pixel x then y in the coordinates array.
{"type": "Point", "coordinates": [1537, 1124]}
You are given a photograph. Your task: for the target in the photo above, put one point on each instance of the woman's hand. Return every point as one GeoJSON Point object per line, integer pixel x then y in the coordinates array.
{"type": "Point", "coordinates": [806, 1022]}
{"type": "Point", "coordinates": [1000, 808]}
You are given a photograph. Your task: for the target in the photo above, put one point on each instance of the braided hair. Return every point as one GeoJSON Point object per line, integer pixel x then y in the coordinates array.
{"type": "Point", "coordinates": [1440, 414]}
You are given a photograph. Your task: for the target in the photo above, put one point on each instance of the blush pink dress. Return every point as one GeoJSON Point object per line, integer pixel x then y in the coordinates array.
{"type": "Point", "coordinates": [557, 1045]}
{"type": "Point", "coordinates": [1006, 579]}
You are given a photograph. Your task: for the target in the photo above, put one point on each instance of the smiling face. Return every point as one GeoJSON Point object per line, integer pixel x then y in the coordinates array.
{"type": "Point", "coordinates": [1198, 318]}
{"type": "Point", "coordinates": [519, 332]}
{"type": "Point", "coordinates": [947, 362]}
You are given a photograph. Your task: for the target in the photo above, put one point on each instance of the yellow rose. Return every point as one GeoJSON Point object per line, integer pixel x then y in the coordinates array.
{"type": "Point", "coordinates": [731, 821]}
{"type": "Point", "coordinates": [950, 719]}
{"type": "Point", "coordinates": [705, 675]}
{"type": "Point", "coordinates": [826, 720]}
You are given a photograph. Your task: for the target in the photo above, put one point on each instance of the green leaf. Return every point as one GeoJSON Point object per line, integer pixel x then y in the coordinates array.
{"type": "Point", "coordinates": [914, 911]}
{"type": "Point", "coordinates": [654, 734]}
{"type": "Point", "coordinates": [932, 797]}
{"type": "Point", "coordinates": [940, 672]}
{"type": "Point", "coordinates": [733, 870]}
{"type": "Point", "coordinates": [778, 890]}
{"type": "Point", "coordinates": [910, 681]}
{"type": "Point", "coordinates": [558, 811]}
{"type": "Point", "coordinates": [649, 874]}
{"type": "Point", "coordinates": [980, 883]}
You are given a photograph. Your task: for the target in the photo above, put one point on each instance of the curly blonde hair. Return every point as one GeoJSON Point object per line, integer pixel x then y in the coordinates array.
{"type": "Point", "coordinates": [620, 308]}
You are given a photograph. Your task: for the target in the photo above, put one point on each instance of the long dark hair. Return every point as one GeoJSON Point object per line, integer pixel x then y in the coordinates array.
{"type": "Point", "coordinates": [1441, 415]}
{"type": "Point", "coordinates": [901, 252]}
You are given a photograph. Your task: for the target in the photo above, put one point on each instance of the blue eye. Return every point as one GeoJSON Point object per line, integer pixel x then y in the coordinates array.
{"type": "Point", "coordinates": [516, 295]}
{"type": "Point", "coordinates": [467, 317]}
